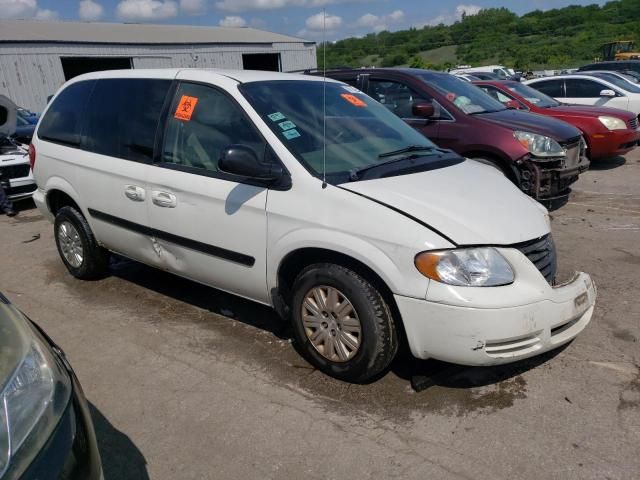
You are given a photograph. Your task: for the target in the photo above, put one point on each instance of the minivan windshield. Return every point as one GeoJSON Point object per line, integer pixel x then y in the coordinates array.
{"type": "Point", "coordinates": [360, 132]}
{"type": "Point", "coordinates": [533, 96]}
{"type": "Point", "coordinates": [466, 97]}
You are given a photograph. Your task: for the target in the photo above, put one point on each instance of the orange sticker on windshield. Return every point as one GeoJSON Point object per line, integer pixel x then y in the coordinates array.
{"type": "Point", "coordinates": [353, 100]}
{"type": "Point", "coordinates": [185, 108]}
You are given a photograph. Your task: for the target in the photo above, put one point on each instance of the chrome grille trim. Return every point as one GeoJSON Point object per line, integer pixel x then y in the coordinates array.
{"type": "Point", "coordinates": [542, 253]}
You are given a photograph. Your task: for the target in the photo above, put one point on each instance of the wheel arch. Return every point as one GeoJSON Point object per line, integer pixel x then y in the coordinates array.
{"type": "Point", "coordinates": [505, 165]}
{"type": "Point", "coordinates": [297, 260]}
{"type": "Point", "coordinates": [59, 193]}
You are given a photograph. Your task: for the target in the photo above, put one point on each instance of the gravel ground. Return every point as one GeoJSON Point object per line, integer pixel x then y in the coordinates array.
{"type": "Point", "coordinates": [188, 382]}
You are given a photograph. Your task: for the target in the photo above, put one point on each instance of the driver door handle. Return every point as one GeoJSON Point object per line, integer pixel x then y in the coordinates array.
{"type": "Point", "coordinates": [164, 199]}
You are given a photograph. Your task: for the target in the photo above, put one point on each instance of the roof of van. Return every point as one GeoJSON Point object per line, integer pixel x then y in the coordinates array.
{"type": "Point", "coordinates": [242, 76]}
{"type": "Point", "coordinates": [132, 33]}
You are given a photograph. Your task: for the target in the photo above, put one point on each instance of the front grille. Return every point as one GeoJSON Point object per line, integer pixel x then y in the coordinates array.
{"type": "Point", "coordinates": [570, 143]}
{"type": "Point", "coordinates": [633, 123]}
{"type": "Point", "coordinates": [575, 150]}
{"type": "Point", "coordinates": [542, 253]}
{"type": "Point", "coordinates": [14, 171]}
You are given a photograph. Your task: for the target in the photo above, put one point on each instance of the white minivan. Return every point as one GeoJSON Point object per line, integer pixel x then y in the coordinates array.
{"type": "Point", "coordinates": [308, 196]}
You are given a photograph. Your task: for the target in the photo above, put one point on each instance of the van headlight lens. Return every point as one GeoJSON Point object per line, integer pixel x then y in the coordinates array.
{"type": "Point", "coordinates": [466, 267]}
{"type": "Point", "coordinates": [613, 123]}
{"type": "Point", "coordinates": [31, 404]}
{"type": "Point", "coordinates": [540, 145]}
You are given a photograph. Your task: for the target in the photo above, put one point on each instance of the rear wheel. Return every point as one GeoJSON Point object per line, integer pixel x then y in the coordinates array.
{"type": "Point", "coordinates": [77, 246]}
{"type": "Point", "coordinates": [342, 324]}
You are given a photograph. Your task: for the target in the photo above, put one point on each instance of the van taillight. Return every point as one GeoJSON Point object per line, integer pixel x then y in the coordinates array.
{"type": "Point", "coordinates": [32, 156]}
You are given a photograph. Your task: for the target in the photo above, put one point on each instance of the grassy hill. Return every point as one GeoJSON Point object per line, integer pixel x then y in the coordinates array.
{"type": "Point", "coordinates": [565, 37]}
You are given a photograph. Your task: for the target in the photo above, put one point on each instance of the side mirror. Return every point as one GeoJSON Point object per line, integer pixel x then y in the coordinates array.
{"type": "Point", "coordinates": [513, 105]}
{"type": "Point", "coordinates": [423, 110]}
{"type": "Point", "coordinates": [242, 161]}
{"type": "Point", "coordinates": [607, 93]}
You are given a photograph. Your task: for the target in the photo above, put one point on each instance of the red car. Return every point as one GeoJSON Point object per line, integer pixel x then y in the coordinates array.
{"type": "Point", "coordinates": [608, 131]}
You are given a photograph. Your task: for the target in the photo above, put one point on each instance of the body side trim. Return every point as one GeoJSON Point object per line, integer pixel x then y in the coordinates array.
{"type": "Point", "coordinates": [205, 248]}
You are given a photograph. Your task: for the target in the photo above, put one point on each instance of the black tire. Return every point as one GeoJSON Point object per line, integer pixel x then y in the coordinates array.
{"type": "Point", "coordinates": [95, 259]}
{"type": "Point", "coordinates": [379, 341]}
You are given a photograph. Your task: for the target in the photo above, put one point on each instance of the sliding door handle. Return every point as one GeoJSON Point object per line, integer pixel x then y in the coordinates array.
{"type": "Point", "coordinates": [135, 193]}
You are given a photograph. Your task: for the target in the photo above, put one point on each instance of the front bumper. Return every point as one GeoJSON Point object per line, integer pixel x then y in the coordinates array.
{"type": "Point", "coordinates": [550, 178]}
{"type": "Point", "coordinates": [19, 188]}
{"type": "Point", "coordinates": [612, 143]}
{"type": "Point", "coordinates": [495, 325]}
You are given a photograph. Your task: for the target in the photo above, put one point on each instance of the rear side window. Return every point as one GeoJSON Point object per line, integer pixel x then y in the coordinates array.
{"type": "Point", "coordinates": [582, 88]}
{"type": "Point", "coordinates": [63, 121]}
{"type": "Point", "coordinates": [553, 88]}
{"type": "Point", "coordinates": [122, 117]}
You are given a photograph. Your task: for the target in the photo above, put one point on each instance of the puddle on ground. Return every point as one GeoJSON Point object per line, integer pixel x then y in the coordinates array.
{"type": "Point", "coordinates": [256, 336]}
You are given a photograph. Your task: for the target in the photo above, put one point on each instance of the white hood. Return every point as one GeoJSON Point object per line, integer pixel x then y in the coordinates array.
{"type": "Point", "coordinates": [470, 203]}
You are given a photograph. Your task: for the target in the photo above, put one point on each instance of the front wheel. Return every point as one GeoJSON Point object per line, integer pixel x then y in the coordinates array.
{"type": "Point", "coordinates": [77, 246]}
{"type": "Point", "coordinates": [342, 324]}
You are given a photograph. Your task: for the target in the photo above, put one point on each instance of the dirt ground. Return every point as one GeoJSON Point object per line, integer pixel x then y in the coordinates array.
{"type": "Point", "coordinates": [187, 382]}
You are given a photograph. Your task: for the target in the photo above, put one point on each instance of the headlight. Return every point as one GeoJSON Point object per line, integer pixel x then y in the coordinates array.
{"type": "Point", "coordinates": [32, 400]}
{"type": "Point", "coordinates": [540, 145]}
{"type": "Point", "coordinates": [613, 123]}
{"type": "Point", "coordinates": [470, 267]}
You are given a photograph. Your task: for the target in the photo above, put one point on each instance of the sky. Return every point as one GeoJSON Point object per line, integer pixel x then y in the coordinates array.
{"type": "Point", "coordinates": [299, 18]}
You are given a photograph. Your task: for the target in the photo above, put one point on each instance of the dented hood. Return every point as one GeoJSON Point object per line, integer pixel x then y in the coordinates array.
{"type": "Point", "coordinates": [8, 116]}
{"type": "Point", "coordinates": [470, 203]}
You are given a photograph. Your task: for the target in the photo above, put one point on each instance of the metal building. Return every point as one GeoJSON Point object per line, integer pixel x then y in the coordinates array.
{"type": "Point", "coordinates": [37, 57]}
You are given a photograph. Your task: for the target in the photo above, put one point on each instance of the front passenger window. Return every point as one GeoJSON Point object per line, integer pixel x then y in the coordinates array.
{"type": "Point", "coordinates": [202, 122]}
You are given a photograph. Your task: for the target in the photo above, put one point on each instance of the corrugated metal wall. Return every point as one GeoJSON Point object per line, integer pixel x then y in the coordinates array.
{"type": "Point", "coordinates": [29, 73]}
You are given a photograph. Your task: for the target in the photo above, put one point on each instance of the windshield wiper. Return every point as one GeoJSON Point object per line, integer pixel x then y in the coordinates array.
{"type": "Point", "coordinates": [410, 148]}
{"type": "Point", "coordinates": [355, 174]}
{"type": "Point", "coordinates": [487, 111]}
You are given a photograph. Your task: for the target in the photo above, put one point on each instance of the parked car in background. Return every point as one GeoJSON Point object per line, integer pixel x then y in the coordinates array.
{"type": "Point", "coordinates": [620, 65]}
{"type": "Point", "coordinates": [486, 76]}
{"type": "Point", "coordinates": [468, 77]}
{"type": "Point", "coordinates": [15, 173]}
{"type": "Point", "coordinates": [28, 115]}
{"type": "Point", "coordinates": [370, 225]}
{"type": "Point", "coordinates": [628, 75]}
{"type": "Point", "coordinates": [24, 130]}
{"type": "Point", "coordinates": [607, 131]}
{"type": "Point", "coordinates": [541, 155]}
{"type": "Point", "coordinates": [620, 79]}
{"type": "Point", "coordinates": [501, 72]}
{"type": "Point", "coordinates": [591, 89]}
{"type": "Point", "coordinates": [46, 430]}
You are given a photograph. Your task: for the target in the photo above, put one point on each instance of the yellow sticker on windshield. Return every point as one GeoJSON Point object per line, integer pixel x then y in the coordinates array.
{"type": "Point", "coordinates": [353, 100]}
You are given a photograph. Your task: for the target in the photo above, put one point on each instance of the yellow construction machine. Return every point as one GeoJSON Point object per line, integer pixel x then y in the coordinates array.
{"type": "Point", "coordinates": [620, 50]}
